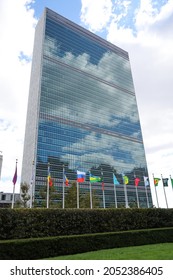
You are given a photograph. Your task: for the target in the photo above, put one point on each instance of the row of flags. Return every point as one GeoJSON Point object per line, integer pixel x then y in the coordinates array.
{"type": "Point", "coordinates": [164, 181]}
{"type": "Point", "coordinates": [164, 184]}
{"type": "Point", "coordinates": [94, 179]}
{"type": "Point", "coordinates": [81, 176]}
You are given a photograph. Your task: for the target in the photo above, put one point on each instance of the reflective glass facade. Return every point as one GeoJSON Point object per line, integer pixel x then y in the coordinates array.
{"type": "Point", "coordinates": [82, 113]}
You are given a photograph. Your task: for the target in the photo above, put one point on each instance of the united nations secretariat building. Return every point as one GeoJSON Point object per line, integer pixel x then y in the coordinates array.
{"type": "Point", "coordinates": [82, 115]}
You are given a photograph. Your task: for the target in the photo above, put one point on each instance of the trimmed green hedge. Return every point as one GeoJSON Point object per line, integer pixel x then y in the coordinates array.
{"type": "Point", "coordinates": [39, 248]}
{"type": "Point", "coordinates": [32, 223]}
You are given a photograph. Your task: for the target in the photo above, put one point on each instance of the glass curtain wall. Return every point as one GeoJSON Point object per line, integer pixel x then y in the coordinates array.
{"type": "Point", "coordinates": [88, 115]}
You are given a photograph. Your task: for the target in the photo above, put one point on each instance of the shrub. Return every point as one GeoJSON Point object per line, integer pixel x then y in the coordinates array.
{"type": "Point", "coordinates": [32, 223]}
{"type": "Point", "coordinates": [39, 248]}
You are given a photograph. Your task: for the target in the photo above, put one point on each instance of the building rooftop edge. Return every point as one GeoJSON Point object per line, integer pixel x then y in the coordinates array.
{"type": "Point", "coordinates": [67, 21]}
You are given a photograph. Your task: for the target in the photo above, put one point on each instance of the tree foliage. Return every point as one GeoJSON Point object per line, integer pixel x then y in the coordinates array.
{"type": "Point", "coordinates": [84, 198]}
{"type": "Point", "coordinates": [54, 198]}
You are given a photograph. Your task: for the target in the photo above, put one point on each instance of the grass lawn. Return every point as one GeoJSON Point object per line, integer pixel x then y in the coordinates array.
{"type": "Point", "coordinates": [162, 251]}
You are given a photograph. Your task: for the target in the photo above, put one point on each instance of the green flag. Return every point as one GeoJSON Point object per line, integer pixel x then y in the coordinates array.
{"type": "Point", "coordinates": [156, 181]}
{"type": "Point", "coordinates": [94, 179]}
{"type": "Point", "coordinates": [126, 180]}
{"type": "Point", "coordinates": [171, 182]}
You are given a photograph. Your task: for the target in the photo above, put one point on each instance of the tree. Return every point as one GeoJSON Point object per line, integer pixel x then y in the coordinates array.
{"type": "Point", "coordinates": [133, 204]}
{"type": "Point", "coordinates": [71, 197]}
{"type": "Point", "coordinates": [84, 198]}
{"type": "Point", "coordinates": [54, 197]}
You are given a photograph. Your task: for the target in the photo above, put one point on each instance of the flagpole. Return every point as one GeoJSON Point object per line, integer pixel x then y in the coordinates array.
{"type": "Point", "coordinates": [14, 183]}
{"type": "Point", "coordinates": [77, 195]}
{"type": "Point", "coordinates": [104, 206]}
{"type": "Point", "coordinates": [91, 203]}
{"type": "Point", "coordinates": [146, 195]}
{"type": "Point", "coordinates": [137, 197]}
{"type": "Point", "coordinates": [12, 205]}
{"type": "Point", "coordinates": [164, 192]}
{"type": "Point", "coordinates": [115, 195]}
{"type": "Point", "coordinates": [63, 201]}
{"type": "Point", "coordinates": [145, 184]}
{"type": "Point", "coordinates": [103, 197]}
{"type": "Point", "coordinates": [156, 193]}
{"type": "Point", "coordinates": [103, 191]}
{"type": "Point", "coordinates": [32, 181]}
{"type": "Point", "coordinates": [125, 194]}
{"type": "Point", "coordinates": [48, 185]}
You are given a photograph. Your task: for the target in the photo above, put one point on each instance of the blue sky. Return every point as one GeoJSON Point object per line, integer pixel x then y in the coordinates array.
{"type": "Point", "coordinates": [66, 8]}
{"type": "Point", "coordinates": [141, 27]}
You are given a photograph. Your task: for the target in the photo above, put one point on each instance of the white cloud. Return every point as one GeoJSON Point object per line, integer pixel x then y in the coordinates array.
{"type": "Point", "coordinates": [101, 152]}
{"type": "Point", "coordinates": [109, 74]}
{"type": "Point", "coordinates": [96, 14]}
{"type": "Point", "coordinates": [17, 24]}
{"type": "Point", "coordinates": [145, 15]}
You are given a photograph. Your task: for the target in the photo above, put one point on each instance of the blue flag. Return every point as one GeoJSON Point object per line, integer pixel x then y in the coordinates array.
{"type": "Point", "coordinates": [115, 180]}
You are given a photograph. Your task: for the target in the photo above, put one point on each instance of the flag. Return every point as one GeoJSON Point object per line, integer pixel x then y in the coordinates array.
{"type": "Point", "coordinates": [165, 182]}
{"type": "Point", "coordinates": [115, 180]}
{"type": "Point", "coordinates": [94, 179]}
{"type": "Point", "coordinates": [15, 176]}
{"type": "Point", "coordinates": [146, 181]}
{"type": "Point", "coordinates": [171, 182]}
{"type": "Point", "coordinates": [156, 181]}
{"type": "Point", "coordinates": [80, 176]}
{"type": "Point", "coordinates": [49, 179]}
{"type": "Point", "coordinates": [137, 180]}
{"type": "Point", "coordinates": [126, 180]}
{"type": "Point", "coordinates": [66, 180]}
